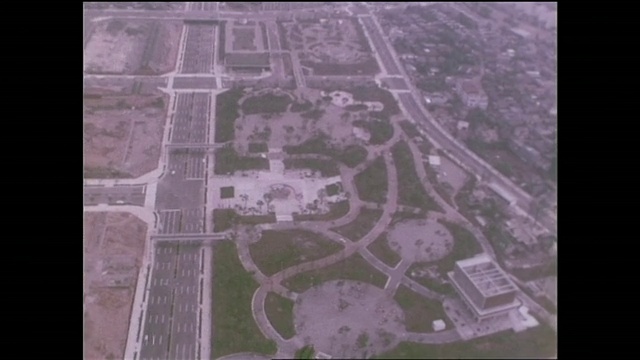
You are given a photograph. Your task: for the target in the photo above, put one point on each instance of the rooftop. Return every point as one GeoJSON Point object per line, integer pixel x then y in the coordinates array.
{"type": "Point", "coordinates": [486, 276]}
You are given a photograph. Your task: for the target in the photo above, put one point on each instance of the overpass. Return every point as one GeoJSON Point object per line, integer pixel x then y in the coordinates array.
{"type": "Point", "coordinates": [194, 146]}
{"type": "Point", "coordinates": [189, 237]}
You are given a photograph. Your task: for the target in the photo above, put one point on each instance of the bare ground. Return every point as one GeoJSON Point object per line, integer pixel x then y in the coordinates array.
{"type": "Point", "coordinates": [420, 240]}
{"type": "Point", "coordinates": [120, 46]}
{"type": "Point", "coordinates": [113, 248]}
{"type": "Point", "coordinates": [123, 133]}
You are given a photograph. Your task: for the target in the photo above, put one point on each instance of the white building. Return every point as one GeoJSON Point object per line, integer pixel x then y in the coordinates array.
{"type": "Point", "coordinates": [439, 325]}
{"type": "Point", "coordinates": [472, 94]}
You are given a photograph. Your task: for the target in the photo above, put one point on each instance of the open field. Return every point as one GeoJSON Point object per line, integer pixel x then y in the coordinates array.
{"type": "Point", "coordinates": [540, 342]}
{"type": "Point", "coordinates": [420, 312]}
{"type": "Point", "coordinates": [348, 319]}
{"type": "Point", "coordinates": [122, 132]}
{"type": "Point", "coordinates": [410, 189]}
{"type": "Point", "coordinates": [355, 230]}
{"type": "Point", "coordinates": [113, 248]}
{"type": "Point", "coordinates": [124, 46]}
{"type": "Point", "coordinates": [353, 268]}
{"type": "Point", "coordinates": [372, 182]}
{"type": "Point", "coordinates": [279, 311]}
{"type": "Point", "coordinates": [234, 328]}
{"type": "Point", "coordinates": [278, 250]}
{"type": "Point", "coordinates": [380, 248]}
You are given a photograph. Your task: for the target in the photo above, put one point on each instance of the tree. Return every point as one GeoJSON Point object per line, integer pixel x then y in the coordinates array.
{"type": "Point", "coordinates": [260, 203]}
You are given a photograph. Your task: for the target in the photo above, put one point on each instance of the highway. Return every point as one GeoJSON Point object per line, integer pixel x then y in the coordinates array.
{"type": "Point", "coordinates": [411, 103]}
{"type": "Point", "coordinates": [171, 325]}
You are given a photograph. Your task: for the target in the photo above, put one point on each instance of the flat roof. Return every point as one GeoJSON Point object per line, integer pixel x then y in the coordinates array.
{"type": "Point", "coordinates": [486, 276]}
{"type": "Point", "coordinates": [481, 312]}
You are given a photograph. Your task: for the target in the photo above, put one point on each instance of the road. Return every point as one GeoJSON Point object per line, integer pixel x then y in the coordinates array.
{"type": "Point", "coordinates": [172, 313]}
{"type": "Point", "coordinates": [114, 195]}
{"type": "Point", "coordinates": [380, 46]}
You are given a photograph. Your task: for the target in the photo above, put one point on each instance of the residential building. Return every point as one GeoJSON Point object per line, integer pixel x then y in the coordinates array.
{"type": "Point", "coordinates": [472, 94]}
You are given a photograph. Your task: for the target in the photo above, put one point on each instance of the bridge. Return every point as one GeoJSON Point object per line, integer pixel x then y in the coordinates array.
{"type": "Point", "coordinates": [194, 146]}
{"type": "Point", "coordinates": [189, 237]}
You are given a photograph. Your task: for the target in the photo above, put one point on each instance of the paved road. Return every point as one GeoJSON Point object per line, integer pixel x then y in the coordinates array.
{"type": "Point", "coordinates": [114, 195]}
{"type": "Point", "coordinates": [380, 46]}
{"type": "Point", "coordinates": [171, 321]}
{"type": "Point", "coordinates": [198, 56]}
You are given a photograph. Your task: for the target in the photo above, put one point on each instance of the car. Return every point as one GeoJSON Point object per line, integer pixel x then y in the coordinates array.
{"type": "Point", "coordinates": [120, 202]}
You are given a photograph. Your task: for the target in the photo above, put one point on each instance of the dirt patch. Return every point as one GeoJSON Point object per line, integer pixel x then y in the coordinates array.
{"type": "Point", "coordinates": [113, 248]}
{"type": "Point", "coordinates": [122, 133]}
{"type": "Point", "coordinates": [121, 46]}
{"type": "Point", "coordinates": [420, 240]}
{"type": "Point", "coordinates": [348, 319]}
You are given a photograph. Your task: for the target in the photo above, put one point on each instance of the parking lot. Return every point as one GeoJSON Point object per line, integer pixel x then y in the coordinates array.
{"type": "Point", "coordinates": [114, 195]}
{"type": "Point", "coordinates": [198, 53]}
{"type": "Point", "coordinates": [173, 315]}
{"type": "Point", "coordinates": [380, 46]}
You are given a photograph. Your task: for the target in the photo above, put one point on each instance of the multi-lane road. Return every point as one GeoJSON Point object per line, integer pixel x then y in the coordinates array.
{"type": "Point", "coordinates": [173, 322]}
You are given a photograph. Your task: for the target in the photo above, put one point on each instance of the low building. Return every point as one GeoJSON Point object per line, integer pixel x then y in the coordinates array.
{"type": "Point", "coordinates": [434, 160]}
{"type": "Point", "coordinates": [486, 290]}
{"type": "Point", "coordinates": [472, 94]}
{"type": "Point", "coordinates": [247, 62]}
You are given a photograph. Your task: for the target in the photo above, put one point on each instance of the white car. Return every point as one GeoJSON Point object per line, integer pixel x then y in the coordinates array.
{"type": "Point", "coordinates": [119, 202]}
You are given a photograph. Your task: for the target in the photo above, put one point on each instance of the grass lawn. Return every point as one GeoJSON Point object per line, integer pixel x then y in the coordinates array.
{"type": "Point", "coordinates": [410, 189]}
{"type": "Point", "coordinates": [419, 312]}
{"type": "Point", "coordinates": [228, 161]}
{"type": "Point", "coordinates": [279, 311]}
{"type": "Point", "coordinates": [536, 343]}
{"type": "Point", "coordinates": [258, 147]}
{"type": "Point", "coordinates": [336, 211]}
{"type": "Point", "coordinates": [234, 329]}
{"type": "Point", "coordinates": [381, 130]}
{"type": "Point", "coordinates": [327, 168]}
{"type": "Point", "coordinates": [380, 249]}
{"type": "Point", "coordinates": [361, 225]}
{"type": "Point", "coordinates": [375, 93]}
{"type": "Point", "coordinates": [278, 250]}
{"type": "Point", "coordinates": [266, 104]}
{"type": "Point", "coordinates": [351, 155]}
{"type": "Point", "coordinates": [353, 268]}
{"type": "Point", "coordinates": [437, 185]}
{"type": "Point", "coordinates": [409, 128]}
{"type": "Point", "coordinates": [226, 114]}
{"type": "Point", "coordinates": [372, 182]}
{"type": "Point", "coordinates": [224, 219]}
{"type": "Point", "coordinates": [367, 67]}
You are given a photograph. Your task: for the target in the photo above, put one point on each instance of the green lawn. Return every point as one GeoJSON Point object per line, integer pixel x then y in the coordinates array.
{"type": "Point", "coordinates": [278, 250]}
{"type": "Point", "coordinates": [351, 155]}
{"type": "Point", "coordinates": [226, 114]}
{"type": "Point", "coordinates": [537, 343]}
{"type": "Point", "coordinates": [410, 189]}
{"type": "Point", "coordinates": [279, 311]}
{"type": "Point", "coordinates": [419, 312]}
{"type": "Point", "coordinates": [353, 268]}
{"type": "Point", "coordinates": [224, 219]}
{"type": "Point", "coordinates": [361, 225]}
{"type": "Point", "coordinates": [228, 161]}
{"type": "Point", "coordinates": [326, 168]}
{"type": "Point", "coordinates": [372, 182]}
{"type": "Point", "coordinates": [266, 104]}
{"type": "Point", "coordinates": [380, 249]}
{"type": "Point", "coordinates": [336, 211]}
{"type": "Point", "coordinates": [234, 329]}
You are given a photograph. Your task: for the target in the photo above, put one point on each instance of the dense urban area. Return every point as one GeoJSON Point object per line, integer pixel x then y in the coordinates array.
{"type": "Point", "coordinates": [317, 180]}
